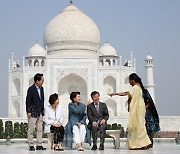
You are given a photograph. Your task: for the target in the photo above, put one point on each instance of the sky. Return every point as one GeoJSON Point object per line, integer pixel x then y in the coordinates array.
{"type": "Point", "coordinates": [141, 26]}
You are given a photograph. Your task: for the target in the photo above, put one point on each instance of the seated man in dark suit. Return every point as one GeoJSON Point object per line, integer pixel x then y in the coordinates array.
{"type": "Point", "coordinates": [98, 115]}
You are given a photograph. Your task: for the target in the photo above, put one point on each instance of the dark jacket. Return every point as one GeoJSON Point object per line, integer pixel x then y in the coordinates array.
{"type": "Point", "coordinates": [93, 115]}
{"type": "Point", "coordinates": [34, 104]}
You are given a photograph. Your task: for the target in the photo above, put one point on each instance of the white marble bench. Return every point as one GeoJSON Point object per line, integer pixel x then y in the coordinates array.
{"type": "Point", "coordinates": [115, 134]}
{"type": "Point", "coordinates": [50, 140]}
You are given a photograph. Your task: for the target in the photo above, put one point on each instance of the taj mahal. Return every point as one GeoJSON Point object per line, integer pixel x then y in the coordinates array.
{"type": "Point", "coordinates": [72, 59]}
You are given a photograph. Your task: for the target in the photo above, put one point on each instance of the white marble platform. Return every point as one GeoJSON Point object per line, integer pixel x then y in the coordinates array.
{"type": "Point", "coordinates": [159, 148]}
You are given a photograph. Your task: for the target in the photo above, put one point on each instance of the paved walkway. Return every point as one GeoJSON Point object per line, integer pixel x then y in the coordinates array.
{"type": "Point", "coordinates": [159, 148]}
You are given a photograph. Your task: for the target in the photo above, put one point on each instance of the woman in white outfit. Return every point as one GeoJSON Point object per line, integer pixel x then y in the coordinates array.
{"type": "Point", "coordinates": [54, 119]}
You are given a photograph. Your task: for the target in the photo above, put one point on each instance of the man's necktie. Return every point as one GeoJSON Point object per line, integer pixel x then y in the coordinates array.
{"type": "Point", "coordinates": [97, 107]}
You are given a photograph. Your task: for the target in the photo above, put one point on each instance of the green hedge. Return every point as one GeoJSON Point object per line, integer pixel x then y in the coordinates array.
{"type": "Point", "coordinates": [1, 129]}
{"type": "Point", "coordinates": [23, 130]}
{"type": "Point", "coordinates": [17, 132]}
{"type": "Point", "coordinates": [8, 129]}
{"type": "Point", "coordinates": [116, 126]}
{"type": "Point", "coordinates": [20, 130]}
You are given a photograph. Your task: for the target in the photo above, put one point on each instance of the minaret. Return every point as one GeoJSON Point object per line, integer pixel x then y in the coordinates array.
{"type": "Point", "coordinates": [150, 78]}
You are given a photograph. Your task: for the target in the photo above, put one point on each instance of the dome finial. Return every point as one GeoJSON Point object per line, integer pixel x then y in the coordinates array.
{"type": "Point", "coordinates": [106, 40]}
{"type": "Point", "coordinates": [71, 1]}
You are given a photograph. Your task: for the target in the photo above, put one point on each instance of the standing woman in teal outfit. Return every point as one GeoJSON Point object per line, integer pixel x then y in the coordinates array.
{"type": "Point", "coordinates": [152, 118]}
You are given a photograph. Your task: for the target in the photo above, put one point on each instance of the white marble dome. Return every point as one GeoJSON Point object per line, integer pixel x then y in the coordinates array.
{"type": "Point", "coordinates": [71, 29]}
{"type": "Point", "coordinates": [149, 57]}
{"type": "Point", "coordinates": [107, 50]}
{"type": "Point", "coordinates": [36, 50]}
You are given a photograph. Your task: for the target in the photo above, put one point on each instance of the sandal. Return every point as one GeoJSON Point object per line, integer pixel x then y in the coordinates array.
{"type": "Point", "coordinates": [56, 149]}
{"type": "Point", "coordinates": [60, 148]}
{"type": "Point", "coordinates": [80, 149]}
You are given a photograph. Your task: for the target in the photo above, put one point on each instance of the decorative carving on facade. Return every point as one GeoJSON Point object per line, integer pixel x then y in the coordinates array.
{"type": "Point", "coordinates": [83, 72]}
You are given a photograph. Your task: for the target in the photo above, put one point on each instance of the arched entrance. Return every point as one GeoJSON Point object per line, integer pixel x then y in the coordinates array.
{"type": "Point", "coordinates": [109, 85]}
{"type": "Point", "coordinates": [16, 87]}
{"type": "Point", "coordinates": [31, 81]}
{"type": "Point", "coordinates": [112, 107]}
{"type": "Point", "coordinates": [16, 109]}
{"type": "Point", "coordinates": [68, 84]}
